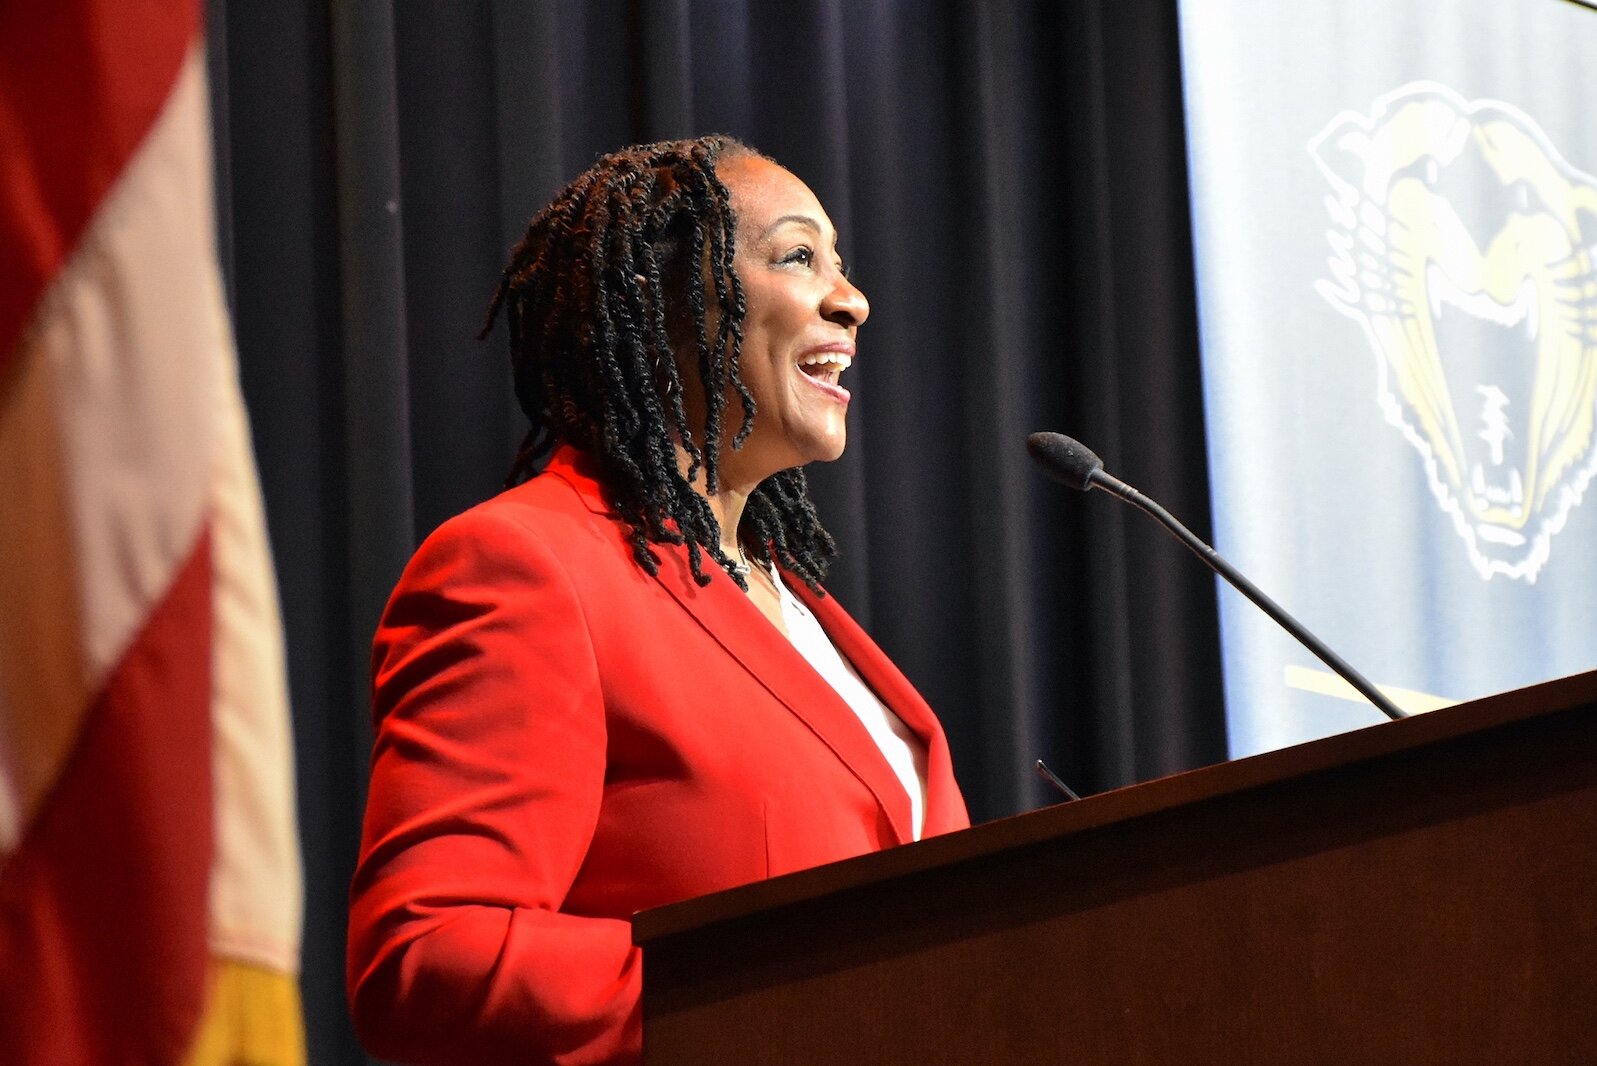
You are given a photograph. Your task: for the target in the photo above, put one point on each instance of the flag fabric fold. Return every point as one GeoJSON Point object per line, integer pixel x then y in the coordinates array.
{"type": "Point", "coordinates": [149, 866]}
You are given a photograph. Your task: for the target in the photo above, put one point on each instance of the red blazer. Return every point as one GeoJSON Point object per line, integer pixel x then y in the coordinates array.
{"type": "Point", "coordinates": [563, 740]}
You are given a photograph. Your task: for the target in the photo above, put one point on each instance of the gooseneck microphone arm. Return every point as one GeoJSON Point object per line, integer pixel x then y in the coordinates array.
{"type": "Point", "coordinates": [1071, 463]}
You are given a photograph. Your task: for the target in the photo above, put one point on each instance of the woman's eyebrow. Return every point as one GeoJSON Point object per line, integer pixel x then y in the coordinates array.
{"type": "Point", "coordinates": [803, 220]}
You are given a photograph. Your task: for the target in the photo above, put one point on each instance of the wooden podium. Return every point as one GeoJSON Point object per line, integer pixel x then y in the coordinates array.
{"type": "Point", "coordinates": [1420, 891]}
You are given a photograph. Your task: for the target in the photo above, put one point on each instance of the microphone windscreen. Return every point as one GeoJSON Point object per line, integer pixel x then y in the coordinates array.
{"type": "Point", "coordinates": [1063, 459]}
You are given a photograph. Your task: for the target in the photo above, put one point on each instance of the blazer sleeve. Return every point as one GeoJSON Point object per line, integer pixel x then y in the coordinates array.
{"type": "Point", "coordinates": [487, 775]}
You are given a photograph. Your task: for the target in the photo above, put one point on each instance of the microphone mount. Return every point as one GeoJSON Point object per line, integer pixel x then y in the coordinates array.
{"type": "Point", "coordinates": [1071, 463]}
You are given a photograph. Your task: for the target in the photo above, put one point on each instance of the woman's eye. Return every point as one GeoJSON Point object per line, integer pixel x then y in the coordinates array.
{"type": "Point", "coordinates": [801, 255]}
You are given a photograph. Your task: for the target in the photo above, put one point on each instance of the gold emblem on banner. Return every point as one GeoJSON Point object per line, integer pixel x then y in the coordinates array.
{"type": "Point", "coordinates": [1463, 243]}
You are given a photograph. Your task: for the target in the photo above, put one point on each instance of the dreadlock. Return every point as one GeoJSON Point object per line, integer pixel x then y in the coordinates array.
{"type": "Point", "coordinates": [621, 261]}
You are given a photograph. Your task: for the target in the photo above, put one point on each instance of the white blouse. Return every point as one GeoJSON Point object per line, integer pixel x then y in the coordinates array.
{"type": "Point", "coordinates": [901, 747]}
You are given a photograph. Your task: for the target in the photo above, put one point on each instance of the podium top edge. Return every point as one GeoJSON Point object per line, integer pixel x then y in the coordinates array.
{"type": "Point", "coordinates": [1185, 789]}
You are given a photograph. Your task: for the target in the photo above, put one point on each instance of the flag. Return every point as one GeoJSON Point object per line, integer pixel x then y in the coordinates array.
{"type": "Point", "coordinates": [150, 889]}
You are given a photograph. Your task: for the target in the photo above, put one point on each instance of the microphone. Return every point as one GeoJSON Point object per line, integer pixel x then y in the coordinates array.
{"type": "Point", "coordinates": [1072, 463]}
{"type": "Point", "coordinates": [1055, 780]}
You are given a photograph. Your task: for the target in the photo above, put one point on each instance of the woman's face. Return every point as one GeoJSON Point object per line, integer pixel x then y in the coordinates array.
{"type": "Point", "coordinates": [799, 324]}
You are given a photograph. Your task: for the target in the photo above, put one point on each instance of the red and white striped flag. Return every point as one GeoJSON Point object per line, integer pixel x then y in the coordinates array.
{"type": "Point", "coordinates": [150, 895]}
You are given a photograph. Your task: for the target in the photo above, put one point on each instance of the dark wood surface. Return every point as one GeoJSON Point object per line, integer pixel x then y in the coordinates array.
{"type": "Point", "coordinates": [1418, 891]}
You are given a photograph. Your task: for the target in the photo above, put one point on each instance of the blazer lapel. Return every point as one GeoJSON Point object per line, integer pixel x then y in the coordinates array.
{"type": "Point", "coordinates": [723, 610]}
{"type": "Point", "coordinates": [945, 806]}
{"type": "Point", "coordinates": [748, 636]}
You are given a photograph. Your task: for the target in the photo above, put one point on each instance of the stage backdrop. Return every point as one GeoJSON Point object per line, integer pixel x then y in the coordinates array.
{"type": "Point", "coordinates": [1011, 188]}
{"type": "Point", "coordinates": [1395, 220]}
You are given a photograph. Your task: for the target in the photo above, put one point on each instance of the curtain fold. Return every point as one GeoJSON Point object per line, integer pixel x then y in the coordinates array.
{"type": "Point", "coordinates": [1010, 187]}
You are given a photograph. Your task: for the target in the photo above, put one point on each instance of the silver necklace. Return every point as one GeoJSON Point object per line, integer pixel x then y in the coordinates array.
{"type": "Point", "coordinates": [744, 566]}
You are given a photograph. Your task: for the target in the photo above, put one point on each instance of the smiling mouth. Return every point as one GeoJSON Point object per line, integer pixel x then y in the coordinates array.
{"type": "Point", "coordinates": [824, 368]}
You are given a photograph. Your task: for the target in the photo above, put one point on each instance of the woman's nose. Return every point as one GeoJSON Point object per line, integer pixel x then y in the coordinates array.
{"type": "Point", "coordinates": [846, 304]}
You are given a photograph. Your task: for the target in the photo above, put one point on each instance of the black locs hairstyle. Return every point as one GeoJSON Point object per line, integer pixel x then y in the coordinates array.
{"type": "Point", "coordinates": [623, 260]}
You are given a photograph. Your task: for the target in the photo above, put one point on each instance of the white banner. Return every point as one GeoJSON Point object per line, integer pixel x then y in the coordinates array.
{"type": "Point", "coordinates": [1395, 217]}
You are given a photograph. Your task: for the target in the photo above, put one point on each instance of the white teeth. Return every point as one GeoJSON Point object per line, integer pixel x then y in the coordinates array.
{"type": "Point", "coordinates": [837, 359]}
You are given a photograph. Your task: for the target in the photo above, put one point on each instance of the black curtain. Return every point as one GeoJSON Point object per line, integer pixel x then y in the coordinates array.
{"type": "Point", "coordinates": [1010, 183]}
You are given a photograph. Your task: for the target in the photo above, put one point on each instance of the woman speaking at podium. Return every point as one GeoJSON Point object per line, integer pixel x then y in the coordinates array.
{"type": "Point", "coordinates": [620, 683]}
